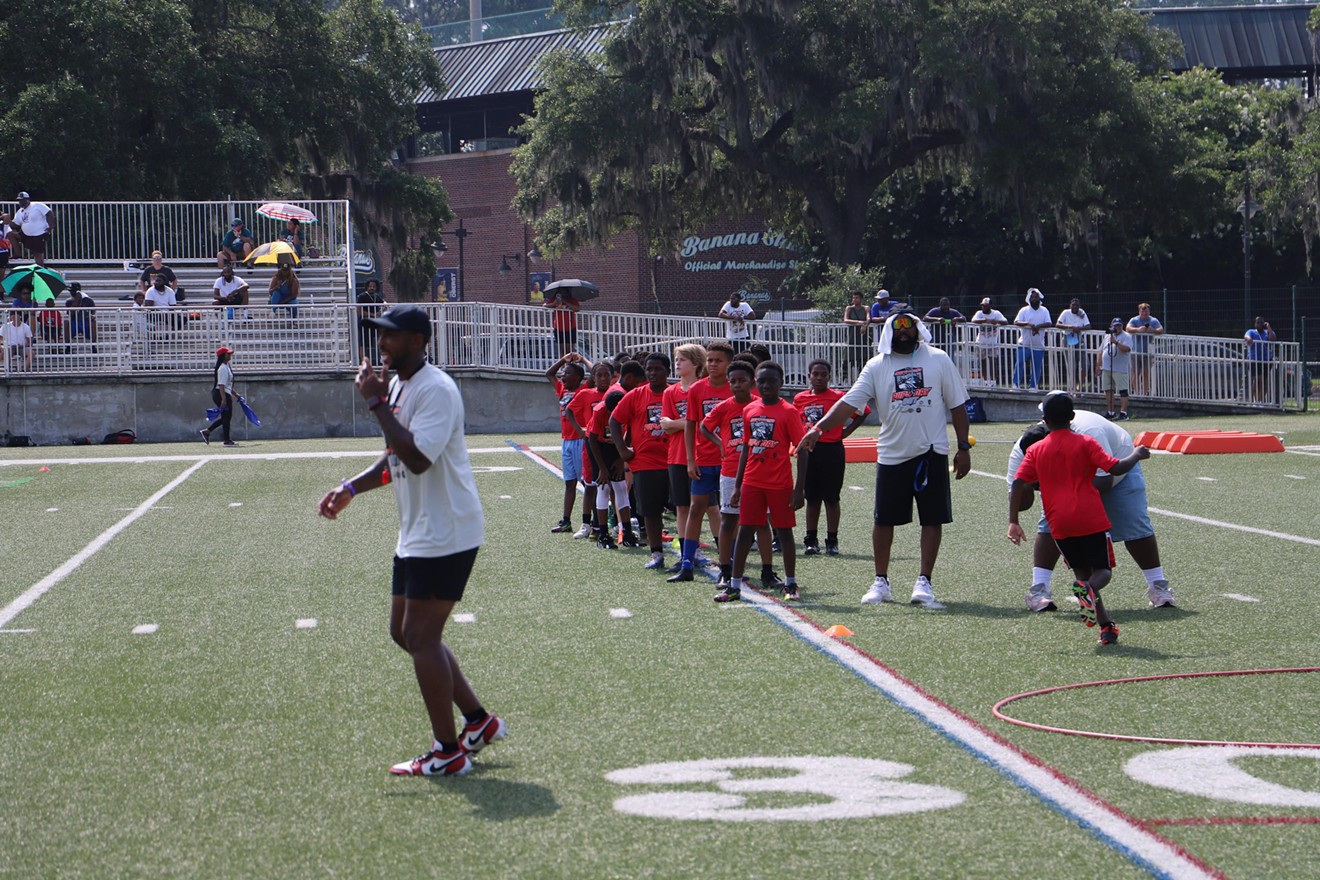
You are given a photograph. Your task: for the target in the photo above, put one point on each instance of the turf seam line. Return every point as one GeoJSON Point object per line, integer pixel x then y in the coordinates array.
{"type": "Point", "coordinates": [1126, 835]}
{"type": "Point", "coordinates": [37, 590]}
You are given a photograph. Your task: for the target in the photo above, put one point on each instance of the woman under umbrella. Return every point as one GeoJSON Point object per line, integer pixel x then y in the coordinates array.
{"type": "Point", "coordinates": [222, 395]}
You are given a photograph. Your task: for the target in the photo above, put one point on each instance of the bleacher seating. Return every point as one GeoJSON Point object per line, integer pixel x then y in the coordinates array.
{"type": "Point", "coordinates": [107, 285]}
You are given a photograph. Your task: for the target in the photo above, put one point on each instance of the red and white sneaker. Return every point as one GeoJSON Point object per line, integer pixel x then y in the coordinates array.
{"type": "Point", "coordinates": [477, 736]}
{"type": "Point", "coordinates": [435, 763]}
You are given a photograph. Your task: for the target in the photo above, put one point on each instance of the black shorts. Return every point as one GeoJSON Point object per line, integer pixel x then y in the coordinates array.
{"type": "Point", "coordinates": [825, 467]}
{"type": "Point", "coordinates": [433, 577]}
{"type": "Point", "coordinates": [652, 491]}
{"type": "Point", "coordinates": [1085, 552]}
{"type": "Point", "coordinates": [925, 479]}
{"type": "Point", "coordinates": [566, 339]}
{"type": "Point", "coordinates": [680, 486]}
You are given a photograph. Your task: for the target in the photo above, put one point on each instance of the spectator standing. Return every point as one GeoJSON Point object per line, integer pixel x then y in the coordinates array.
{"type": "Point", "coordinates": [941, 320]}
{"type": "Point", "coordinates": [1072, 321]}
{"type": "Point", "coordinates": [18, 342]}
{"type": "Point", "coordinates": [370, 304]}
{"type": "Point", "coordinates": [856, 317]}
{"type": "Point", "coordinates": [222, 395]}
{"type": "Point", "coordinates": [1034, 320]}
{"type": "Point", "coordinates": [284, 289]}
{"type": "Point", "coordinates": [82, 314]}
{"type": "Point", "coordinates": [36, 222]}
{"type": "Point", "coordinates": [563, 319]}
{"type": "Point", "coordinates": [1142, 327]}
{"type": "Point", "coordinates": [988, 320]}
{"type": "Point", "coordinates": [1115, 363]}
{"type": "Point", "coordinates": [1260, 360]}
{"type": "Point", "coordinates": [914, 386]}
{"type": "Point", "coordinates": [236, 245]}
{"type": "Point", "coordinates": [157, 268]}
{"type": "Point", "coordinates": [6, 246]}
{"type": "Point", "coordinates": [881, 309]}
{"type": "Point", "coordinates": [736, 314]}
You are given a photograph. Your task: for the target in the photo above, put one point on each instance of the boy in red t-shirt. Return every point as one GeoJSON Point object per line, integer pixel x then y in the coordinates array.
{"type": "Point", "coordinates": [764, 486]}
{"type": "Point", "coordinates": [1064, 465]}
{"type": "Point", "coordinates": [701, 457]}
{"type": "Point", "coordinates": [637, 419]}
{"type": "Point", "coordinates": [610, 481]}
{"type": "Point", "coordinates": [828, 460]}
{"type": "Point", "coordinates": [574, 412]}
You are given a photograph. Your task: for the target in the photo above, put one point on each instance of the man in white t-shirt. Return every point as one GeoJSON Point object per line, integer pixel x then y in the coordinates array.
{"type": "Point", "coordinates": [737, 313]}
{"type": "Point", "coordinates": [1124, 498]}
{"type": "Point", "coordinates": [914, 386]}
{"type": "Point", "coordinates": [34, 220]}
{"type": "Point", "coordinates": [988, 320]}
{"type": "Point", "coordinates": [1072, 321]}
{"type": "Point", "coordinates": [1034, 320]}
{"type": "Point", "coordinates": [17, 338]}
{"type": "Point", "coordinates": [230, 290]}
{"type": "Point", "coordinates": [441, 527]}
{"type": "Point", "coordinates": [160, 295]}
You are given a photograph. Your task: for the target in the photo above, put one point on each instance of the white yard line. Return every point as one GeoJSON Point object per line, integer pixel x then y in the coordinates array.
{"type": "Point", "coordinates": [201, 456]}
{"type": "Point", "coordinates": [37, 590]}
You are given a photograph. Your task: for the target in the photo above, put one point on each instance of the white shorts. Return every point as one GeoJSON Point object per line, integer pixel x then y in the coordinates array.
{"type": "Point", "coordinates": [727, 485]}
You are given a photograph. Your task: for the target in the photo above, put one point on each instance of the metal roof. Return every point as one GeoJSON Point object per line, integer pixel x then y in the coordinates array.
{"type": "Point", "coordinates": [496, 67]}
{"type": "Point", "coordinates": [1242, 38]}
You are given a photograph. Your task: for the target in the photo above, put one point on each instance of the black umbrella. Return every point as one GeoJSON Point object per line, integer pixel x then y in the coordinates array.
{"type": "Point", "coordinates": [574, 287]}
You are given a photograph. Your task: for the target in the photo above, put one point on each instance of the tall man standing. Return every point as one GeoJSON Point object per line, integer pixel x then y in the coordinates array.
{"type": "Point", "coordinates": [441, 528]}
{"type": "Point", "coordinates": [35, 222]}
{"type": "Point", "coordinates": [913, 385]}
{"type": "Point", "coordinates": [737, 313]}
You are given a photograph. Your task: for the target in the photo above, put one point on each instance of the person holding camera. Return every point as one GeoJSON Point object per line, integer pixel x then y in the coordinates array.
{"type": "Point", "coordinates": [1115, 364]}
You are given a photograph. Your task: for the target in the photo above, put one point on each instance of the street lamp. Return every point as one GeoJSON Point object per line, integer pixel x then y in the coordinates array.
{"type": "Point", "coordinates": [505, 268]}
{"type": "Point", "coordinates": [438, 247]}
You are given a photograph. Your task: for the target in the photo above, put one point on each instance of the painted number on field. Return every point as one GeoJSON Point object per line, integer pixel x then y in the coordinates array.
{"type": "Point", "coordinates": [1211, 771]}
{"type": "Point", "coordinates": [756, 790]}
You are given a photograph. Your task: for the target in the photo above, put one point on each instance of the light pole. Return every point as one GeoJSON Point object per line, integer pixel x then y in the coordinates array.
{"type": "Point", "coordinates": [438, 247]}
{"type": "Point", "coordinates": [1248, 210]}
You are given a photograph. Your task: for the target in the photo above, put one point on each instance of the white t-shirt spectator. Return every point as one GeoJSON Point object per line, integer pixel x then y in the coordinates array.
{"type": "Point", "coordinates": [1114, 358]}
{"type": "Point", "coordinates": [157, 299]}
{"type": "Point", "coordinates": [737, 317]}
{"type": "Point", "coordinates": [1027, 337]}
{"type": "Point", "coordinates": [225, 288]}
{"type": "Point", "coordinates": [913, 394]}
{"type": "Point", "coordinates": [439, 510]}
{"type": "Point", "coordinates": [16, 335]}
{"type": "Point", "coordinates": [32, 219]}
{"type": "Point", "coordinates": [1074, 324]}
{"type": "Point", "coordinates": [987, 330]}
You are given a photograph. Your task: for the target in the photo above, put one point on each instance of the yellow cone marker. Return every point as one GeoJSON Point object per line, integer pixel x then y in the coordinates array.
{"type": "Point", "coordinates": [839, 631]}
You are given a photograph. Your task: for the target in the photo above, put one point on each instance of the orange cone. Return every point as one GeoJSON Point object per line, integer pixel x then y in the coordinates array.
{"type": "Point", "coordinates": [839, 631]}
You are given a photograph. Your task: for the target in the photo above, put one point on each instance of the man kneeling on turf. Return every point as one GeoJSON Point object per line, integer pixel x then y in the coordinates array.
{"type": "Point", "coordinates": [1064, 465]}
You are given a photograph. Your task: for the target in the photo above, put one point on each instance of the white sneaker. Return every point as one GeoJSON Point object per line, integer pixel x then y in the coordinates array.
{"type": "Point", "coordinates": [1039, 598]}
{"type": "Point", "coordinates": [1160, 595]}
{"type": "Point", "coordinates": [924, 594]}
{"type": "Point", "coordinates": [584, 532]}
{"type": "Point", "coordinates": [879, 592]}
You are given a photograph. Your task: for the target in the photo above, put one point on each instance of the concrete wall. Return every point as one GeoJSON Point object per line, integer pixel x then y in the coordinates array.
{"type": "Point", "coordinates": [164, 409]}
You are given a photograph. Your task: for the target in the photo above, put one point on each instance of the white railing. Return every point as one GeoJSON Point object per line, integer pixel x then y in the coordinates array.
{"type": "Point", "coordinates": [325, 337]}
{"type": "Point", "coordinates": [117, 232]}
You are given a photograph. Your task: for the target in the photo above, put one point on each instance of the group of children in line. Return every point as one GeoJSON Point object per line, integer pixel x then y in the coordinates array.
{"type": "Point", "coordinates": [720, 439]}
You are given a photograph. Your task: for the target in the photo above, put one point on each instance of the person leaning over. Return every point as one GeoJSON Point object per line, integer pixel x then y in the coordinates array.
{"type": "Point", "coordinates": [82, 314]}
{"type": "Point", "coordinates": [236, 245]}
{"type": "Point", "coordinates": [1142, 327]}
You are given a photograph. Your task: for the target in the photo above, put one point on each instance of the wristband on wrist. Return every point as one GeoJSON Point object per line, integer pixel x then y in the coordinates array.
{"type": "Point", "coordinates": [964, 446]}
{"type": "Point", "coordinates": [374, 402]}
{"type": "Point", "coordinates": [352, 493]}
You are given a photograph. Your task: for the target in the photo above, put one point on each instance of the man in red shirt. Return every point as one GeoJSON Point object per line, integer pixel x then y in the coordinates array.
{"type": "Point", "coordinates": [702, 456]}
{"type": "Point", "coordinates": [764, 488]}
{"type": "Point", "coordinates": [637, 418]}
{"type": "Point", "coordinates": [828, 460]}
{"type": "Point", "coordinates": [563, 319]}
{"type": "Point", "coordinates": [1064, 466]}
{"type": "Point", "coordinates": [574, 413]}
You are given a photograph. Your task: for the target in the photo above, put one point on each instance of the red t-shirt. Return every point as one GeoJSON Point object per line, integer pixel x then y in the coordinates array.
{"type": "Point", "coordinates": [600, 423]}
{"type": "Point", "coordinates": [577, 401]}
{"type": "Point", "coordinates": [726, 420]}
{"type": "Point", "coordinates": [813, 407]}
{"type": "Point", "coordinates": [1064, 464]}
{"type": "Point", "coordinates": [675, 407]}
{"type": "Point", "coordinates": [639, 413]}
{"type": "Point", "coordinates": [770, 430]}
{"type": "Point", "coordinates": [703, 397]}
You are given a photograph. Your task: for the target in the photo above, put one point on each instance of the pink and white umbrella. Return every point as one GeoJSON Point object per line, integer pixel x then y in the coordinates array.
{"type": "Point", "coordinates": [285, 211]}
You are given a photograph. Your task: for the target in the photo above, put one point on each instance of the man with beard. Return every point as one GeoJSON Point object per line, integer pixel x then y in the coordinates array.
{"type": "Point", "coordinates": [913, 385]}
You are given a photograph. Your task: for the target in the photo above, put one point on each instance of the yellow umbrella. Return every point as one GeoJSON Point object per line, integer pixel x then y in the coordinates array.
{"type": "Point", "coordinates": [273, 253]}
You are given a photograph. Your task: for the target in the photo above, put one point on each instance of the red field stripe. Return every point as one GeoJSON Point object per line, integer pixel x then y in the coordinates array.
{"type": "Point", "coordinates": [1238, 820]}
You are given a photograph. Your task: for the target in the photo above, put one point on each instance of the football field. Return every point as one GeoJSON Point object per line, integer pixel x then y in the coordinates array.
{"type": "Point", "coordinates": [196, 680]}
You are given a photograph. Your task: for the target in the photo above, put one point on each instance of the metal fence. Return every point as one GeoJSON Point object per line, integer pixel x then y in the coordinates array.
{"type": "Point", "coordinates": [119, 232]}
{"type": "Point", "coordinates": [473, 335]}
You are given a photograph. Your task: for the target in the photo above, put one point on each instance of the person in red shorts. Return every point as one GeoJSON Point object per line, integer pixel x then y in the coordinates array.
{"type": "Point", "coordinates": [575, 402]}
{"type": "Point", "coordinates": [764, 487]}
{"type": "Point", "coordinates": [1064, 465]}
{"type": "Point", "coordinates": [701, 457]}
{"type": "Point", "coordinates": [828, 460]}
{"type": "Point", "coordinates": [637, 419]}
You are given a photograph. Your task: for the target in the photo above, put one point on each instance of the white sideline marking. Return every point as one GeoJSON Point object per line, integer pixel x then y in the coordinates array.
{"type": "Point", "coordinates": [620, 612]}
{"type": "Point", "coordinates": [16, 631]}
{"type": "Point", "coordinates": [855, 488]}
{"type": "Point", "coordinates": [506, 497]}
{"type": "Point", "coordinates": [1294, 477]}
{"type": "Point", "coordinates": [52, 510]}
{"type": "Point", "coordinates": [1302, 452]}
{"type": "Point", "coordinates": [465, 618]}
{"type": "Point", "coordinates": [236, 504]}
{"type": "Point", "coordinates": [262, 456]}
{"type": "Point", "coordinates": [145, 629]}
{"type": "Point", "coordinates": [1208, 479]}
{"type": "Point", "coordinates": [1239, 597]}
{"type": "Point", "coordinates": [305, 623]}
{"type": "Point", "coordinates": [37, 590]}
{"type": "Point", "coordinates": [1127, 836]}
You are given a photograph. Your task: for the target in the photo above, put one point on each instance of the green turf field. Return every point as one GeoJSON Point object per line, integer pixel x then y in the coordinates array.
{"type": "Point", "coordinates": [231, 741]}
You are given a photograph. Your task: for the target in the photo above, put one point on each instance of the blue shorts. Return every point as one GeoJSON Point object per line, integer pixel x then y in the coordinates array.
{"type": "Point", "coordinates": [1125, 505]}
{"type": "Point", "coordinates": [570, 459]}
{"type": "Point", "coordinates": [707, 481]}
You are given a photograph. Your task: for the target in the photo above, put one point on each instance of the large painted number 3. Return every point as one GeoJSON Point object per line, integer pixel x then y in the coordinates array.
{"type": "Point", "coordinates": [856, 788]}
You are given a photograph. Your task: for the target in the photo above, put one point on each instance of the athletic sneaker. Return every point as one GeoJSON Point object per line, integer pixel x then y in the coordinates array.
{"type": "Point", "coordinates": [728, 594]}
{"type": "Point", "coordinates": [791, 593]}
{"type": "Point", "coordinates": [924, 594]}
{"type": "Point", "coordinates": [1111, 416]}
{"type": "Point", "coordinates": [1108, 634]}
{"type": "Point", "coordinates": [657, 563]}
{"type": "Point", "coordinates": [435, 763]}
{"type": "Point", "coordinates": [1160, 595]}
{"type": "Point", "coordinates": [675, 568]}
{"type": "Point", "coordinates": [229, 444]}
{"type": "Point", "coordinates": [206, 435]}
{"type": "Point", "coordinates": [772, 581]}
{"type": "Point", "coordinates": [810, 547]}
{"type": "Point", "coordinates": [1039, 598]}
{"type": "Point", "coordinates": [562, 526]}
{"type": "Point", "coordinates": [724, 582]}
{"type": "Point", "coordinates": [584, 532]}
{"type": "Point", "coordinates": [477, 736]}
{"type": "Point", "coordinates": [605, 542]}
{"type": "Point", "coordinates": [1085, 602]}
{"type": "Point", "coordinates": [629, 540]}
{"type": "Point", "coordinates": [879, 592]}
{"type": "Point", "coordinates": [1122, 417]}
{"type": "Point", "coordinates": [831, 548]}
{"type": "Point", "coordinates": [684, 576]}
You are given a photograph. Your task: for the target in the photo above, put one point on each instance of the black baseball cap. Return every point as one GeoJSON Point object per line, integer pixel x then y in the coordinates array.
{"type": "Point", "coordinates": [410, 319]}
{"type": "Point", "coordinates": [1058, 409]}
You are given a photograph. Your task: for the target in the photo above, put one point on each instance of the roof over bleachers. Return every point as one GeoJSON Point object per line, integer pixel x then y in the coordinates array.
{"type": "Point", "coordinates": [1244, 42]}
